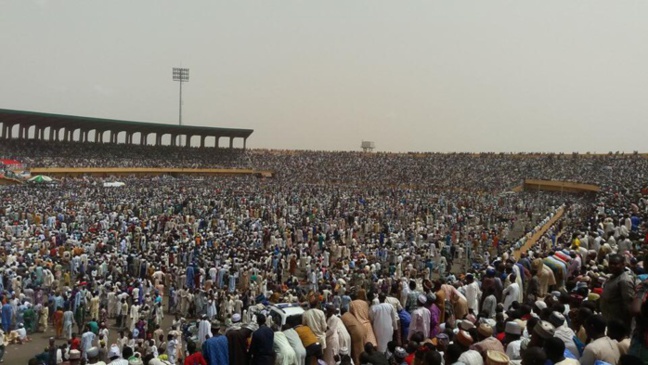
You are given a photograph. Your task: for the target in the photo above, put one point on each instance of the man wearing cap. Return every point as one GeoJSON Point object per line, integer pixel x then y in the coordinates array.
{"type": "Point", "coordinates": [486, 340]}
{"type": "Point", "coordinates": [237, 336]}
{"type": "Point", "coordinates": [114, 355]}
{"type": "Point", "coordinates": [399, 356]}
{"type": "Point", "coordinates": [468, 356]}
{"type": "Point", "coordinates": [496, 358]}
{"type": "Point", "coordinates": [93, 356]}
{"type": "Point", "coordinates": [541, 331]}
{"type": "Point", "coordinates": [204, 330]}
{"type": "Point", "coordinates": [75, 358]}
{"type": "Point", "coordinates": [564, 333]}
{"type": "Point", "coordinates": [512, 340]}
{"type": "Point", "coordinates": [420, 318]}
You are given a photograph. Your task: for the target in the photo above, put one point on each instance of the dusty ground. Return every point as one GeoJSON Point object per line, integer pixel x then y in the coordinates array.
{"type": "Point", "coordinates": [20, 354]}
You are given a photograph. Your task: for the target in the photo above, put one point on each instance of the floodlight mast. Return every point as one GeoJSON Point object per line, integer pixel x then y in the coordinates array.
{"type": "Point", "coordinates": [181, 75]}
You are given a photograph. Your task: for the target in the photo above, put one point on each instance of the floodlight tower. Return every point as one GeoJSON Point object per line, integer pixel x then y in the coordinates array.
{"type": "Point", "coordinates": [181, 75]}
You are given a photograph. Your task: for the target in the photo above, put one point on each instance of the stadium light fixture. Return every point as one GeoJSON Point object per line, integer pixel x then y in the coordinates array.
{"type": "Point", "coordinates": [181, 75]}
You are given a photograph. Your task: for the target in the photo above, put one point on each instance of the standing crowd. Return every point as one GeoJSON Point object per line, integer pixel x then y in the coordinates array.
{"type": "Point", "coordinates": [199, 271]}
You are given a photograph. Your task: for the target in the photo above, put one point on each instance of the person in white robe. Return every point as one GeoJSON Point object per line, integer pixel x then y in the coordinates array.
{"type": "Point", "coordinates": [296, 344]}
{"type": "Point", "coordinates": [518, 280]}
{"type": "Point", "coordinates": [384, 319]}
{"type": "Point", "coordinates": [285, 353]}
{"type": "Point", "coordinates": [337, 336]}
{"type": "Point", "coordinates": [134, 316]}
{"type": "Point", "coordinates": [316, 320]}
{"type": "Point", "coordinates": [511, 293]}
{"type": "Point", "coordinates": [472, 293]}
{"type": "Point", "coordinates": [421, 318]}
{"type": "Point", "coordinates": [204, 330]}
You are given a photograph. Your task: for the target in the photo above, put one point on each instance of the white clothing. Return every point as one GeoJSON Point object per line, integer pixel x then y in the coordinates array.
{"type": "Point", "coordinates": [384, 320]}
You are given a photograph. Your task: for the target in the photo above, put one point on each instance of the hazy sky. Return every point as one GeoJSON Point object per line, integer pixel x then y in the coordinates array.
{"type": "Point", "coordinates": [409, 75]}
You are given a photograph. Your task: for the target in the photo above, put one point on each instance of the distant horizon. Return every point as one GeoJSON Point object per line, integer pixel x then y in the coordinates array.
{"type": "Point", "coordinates": [323, 150]}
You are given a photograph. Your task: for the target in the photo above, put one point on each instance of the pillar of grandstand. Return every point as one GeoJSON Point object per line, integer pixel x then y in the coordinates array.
{"type": "Point", "coordinates": [55, 127]}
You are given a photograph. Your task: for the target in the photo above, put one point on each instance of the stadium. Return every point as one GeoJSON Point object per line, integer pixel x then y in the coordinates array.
{"type": "Point", "coordinates": [346, 183]}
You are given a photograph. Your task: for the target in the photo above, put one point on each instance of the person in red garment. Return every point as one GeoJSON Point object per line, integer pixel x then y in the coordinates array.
{"type": "Point", "coordinates": [196, 357]}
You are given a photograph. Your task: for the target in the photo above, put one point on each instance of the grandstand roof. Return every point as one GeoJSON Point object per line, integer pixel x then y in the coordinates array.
{"type": "Point", "coordinates": [73, 121]}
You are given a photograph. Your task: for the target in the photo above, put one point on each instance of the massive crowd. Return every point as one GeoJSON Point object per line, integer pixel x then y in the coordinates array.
{"type": "Point", "coordinates": [372, 258]}
{"type": "Point", "coordinates": [474, 172]}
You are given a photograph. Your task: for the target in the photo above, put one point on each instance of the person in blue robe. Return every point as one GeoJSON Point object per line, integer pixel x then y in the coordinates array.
{"type": "Point", "coordinates": [216, 350]}
{"type": "Point", "coordinates": [7, 313]}
{"type": "Point", "coordinates": [190, 277]}
{"type": "Point", "coordinates": [405, 320]}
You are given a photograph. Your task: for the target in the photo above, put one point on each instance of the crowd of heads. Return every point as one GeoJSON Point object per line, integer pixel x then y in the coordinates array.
{"type": "Point", "coordinates": [396, 258]}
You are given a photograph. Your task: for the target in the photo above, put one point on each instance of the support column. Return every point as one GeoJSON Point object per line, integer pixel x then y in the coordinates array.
{"type": "Point", "coordinates": [173, 139]}
{"type": "Point", "coordinates": [244, 142]}
{"type": "Point", "coordinates": [231, 142]}
{"type": "Point", "coordinates": [143, 138]}
{"type": "Point", "coordinates": [202, 141]}
{"type": "Point", "coordinates": [216, 145]}
{"type": "Point", "coordinates": [158, 139]}
{"type": "Point", "coordinates": [188, 142]}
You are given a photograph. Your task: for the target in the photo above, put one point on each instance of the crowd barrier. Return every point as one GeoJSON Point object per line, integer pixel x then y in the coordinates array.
{"type": "Point", "coordinates": [539, 233]}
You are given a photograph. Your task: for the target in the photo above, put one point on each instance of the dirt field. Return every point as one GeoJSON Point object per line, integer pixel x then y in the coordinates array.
{"type": "Point", "coordinates": [20, 354]}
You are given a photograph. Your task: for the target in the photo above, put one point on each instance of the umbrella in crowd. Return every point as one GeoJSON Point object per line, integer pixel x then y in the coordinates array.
{"type": "Point", "coordinates": [40, 179]}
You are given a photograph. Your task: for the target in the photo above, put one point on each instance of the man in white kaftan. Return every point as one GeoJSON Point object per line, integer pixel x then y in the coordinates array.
{"type": "Point", "coordinates": [384, 319]}
{"type": "Point", "coordinates": [316, 320]}
{"type": "Point", "coordinates": [204, 330]}
{"type": "Point", "coordinates": [337, 336]}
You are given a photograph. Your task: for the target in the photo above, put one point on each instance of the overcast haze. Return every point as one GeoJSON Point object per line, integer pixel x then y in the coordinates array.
{"type": "Point", "coordinates": [410, 75]}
